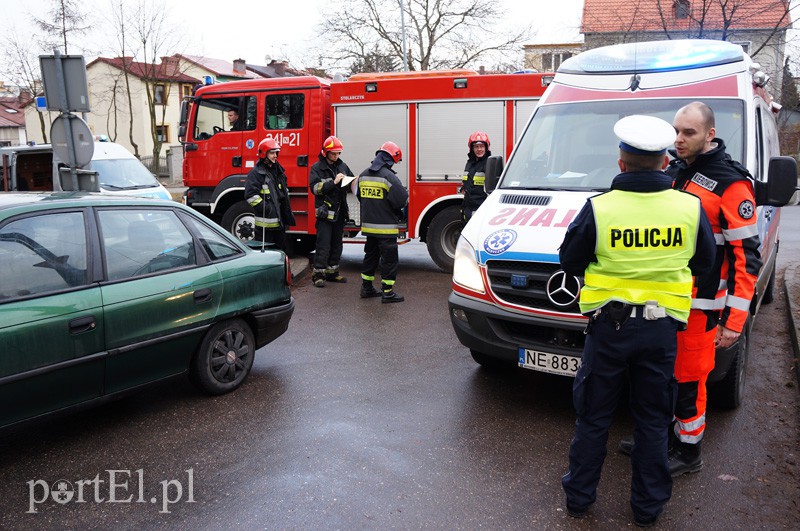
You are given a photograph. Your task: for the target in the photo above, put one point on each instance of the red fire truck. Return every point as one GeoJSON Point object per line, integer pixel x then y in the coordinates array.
{"type": "Point", "coordinates": [429, 115]}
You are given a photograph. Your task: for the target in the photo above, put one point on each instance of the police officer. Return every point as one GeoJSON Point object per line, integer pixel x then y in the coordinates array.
{"type": "Point", "coordinates": [330, 201]}
{"type": "Point", "coordinates": [382, 198]}
{"type": "Point", "coordinates": [267, 192]}
{"type": "Point", "coordinates": [475, 173]}
{"type": "Point", "coordinates": [637, 248]}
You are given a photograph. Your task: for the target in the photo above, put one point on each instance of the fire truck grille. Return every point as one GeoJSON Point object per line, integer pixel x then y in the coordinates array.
{"type": "Point", "coordinates": [524, 284]}
{"type": "Point", "coordinates": [536, 200]}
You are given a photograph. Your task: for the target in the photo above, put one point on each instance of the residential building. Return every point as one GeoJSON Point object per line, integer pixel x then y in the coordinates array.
{"type": "Point", "coordinates": [12, 116]}
{"type": "Point", "coordinates": [758, 25]}
{"type": "Point", "coordinates": [548, 57]}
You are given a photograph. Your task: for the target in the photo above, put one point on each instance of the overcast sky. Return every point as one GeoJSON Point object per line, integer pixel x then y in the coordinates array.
{"type": "Point", "coordinates": [246, 30]}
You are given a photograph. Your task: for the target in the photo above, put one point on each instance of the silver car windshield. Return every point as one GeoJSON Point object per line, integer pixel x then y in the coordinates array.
{"type": "Point", "coordinates": [123, 174]}
{"type": "Point", "coordinates": [572, 146]}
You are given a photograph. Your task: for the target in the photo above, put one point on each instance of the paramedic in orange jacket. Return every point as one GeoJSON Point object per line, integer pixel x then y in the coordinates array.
{"type": "Point", "coordinates": [721, 301]}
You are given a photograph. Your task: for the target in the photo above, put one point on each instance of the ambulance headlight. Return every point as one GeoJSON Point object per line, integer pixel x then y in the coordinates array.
{"type": "Point", "coordinates": [466, 271]}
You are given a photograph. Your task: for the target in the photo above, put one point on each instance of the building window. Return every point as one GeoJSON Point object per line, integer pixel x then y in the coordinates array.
{"type": "Point", "coordinates": [162, 133]}
{"type": "Point", "coordinates": [744, 44]}
{"type": "Point", "coordinates": [681, 8]}
{"type": "Point", "coordinates": [551, 61]}
{"type": "Point", "coordinates": [186, 90]}
{"type": "Point", "coordinates": [160, 94]}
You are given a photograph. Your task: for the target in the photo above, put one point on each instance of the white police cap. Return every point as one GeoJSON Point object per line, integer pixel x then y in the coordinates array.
{"type": "Point", "coordinates": [644, 135]}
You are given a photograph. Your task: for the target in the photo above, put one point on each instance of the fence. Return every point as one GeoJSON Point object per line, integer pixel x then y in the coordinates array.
{"type": "Point", "coordinates": [163, 169]}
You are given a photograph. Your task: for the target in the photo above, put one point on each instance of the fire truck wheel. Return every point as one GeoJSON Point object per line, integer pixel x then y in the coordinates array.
{"type": "Point", "coordinates": [239, 221]}
{"type": "Point", "coordinates": [443, 233]}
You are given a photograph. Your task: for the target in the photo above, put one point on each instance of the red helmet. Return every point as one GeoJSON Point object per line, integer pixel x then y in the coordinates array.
{"type": "Point", "coordinates": [392, 149]}
{"type": "Point", "coordinates": [478, 136]}
{"type": "Point", "coordinates": [332, 144]}
{"type": "Point", "coordinates": [268, 144]}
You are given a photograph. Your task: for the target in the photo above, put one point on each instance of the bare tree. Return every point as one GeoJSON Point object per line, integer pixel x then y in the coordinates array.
{"type": "Point", "coordinates": [440, 33]}
{"type": "Point", "coordinates": [64, 21]}
{"type": "Point", "coordinates": [120, 15]}
{"type": "Point", "coordinates": [21, 67]}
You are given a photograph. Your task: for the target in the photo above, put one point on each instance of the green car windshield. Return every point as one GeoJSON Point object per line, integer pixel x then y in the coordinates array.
{"type": "Point", "coordinates": [572, 146]}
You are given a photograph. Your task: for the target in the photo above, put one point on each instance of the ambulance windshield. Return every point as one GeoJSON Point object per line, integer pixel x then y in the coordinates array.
{"type": "Point", "coordinates": [572, 146]}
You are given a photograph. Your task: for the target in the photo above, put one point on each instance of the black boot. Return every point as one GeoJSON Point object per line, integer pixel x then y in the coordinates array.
{"type": "Point", "coordinates": [368, 290]}
{"type": "Point", "coordinates": [389, 295]}
{"type": "Point", "coordinates": [685, 459]}
{"type": "Point", "coordinates": [318, 278]}
{"type": "Point", "coordinates": [332, 275]}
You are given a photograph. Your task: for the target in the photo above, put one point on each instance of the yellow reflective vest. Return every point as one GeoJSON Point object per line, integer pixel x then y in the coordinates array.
{"type": "Point", "coordinates": [644, 243]}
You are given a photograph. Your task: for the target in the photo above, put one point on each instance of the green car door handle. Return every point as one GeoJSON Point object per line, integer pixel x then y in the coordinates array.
{"type": "Point", "coordinates": [202, 295]}
{"type": "Point", "coordinates": [82, 324]}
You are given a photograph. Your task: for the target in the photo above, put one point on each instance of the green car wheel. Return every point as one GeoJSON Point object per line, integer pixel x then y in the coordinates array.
{"type": "Point", "coordinates": [224, 358]}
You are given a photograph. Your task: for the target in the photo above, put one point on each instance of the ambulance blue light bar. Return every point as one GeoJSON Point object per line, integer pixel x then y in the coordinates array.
{"type": "Point", "coordinates": [653, 56]}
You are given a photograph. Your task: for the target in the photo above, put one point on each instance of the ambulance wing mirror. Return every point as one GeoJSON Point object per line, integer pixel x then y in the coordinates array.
{"type": "Point", "coordinates": [494, 168]}
{"type": "Point", "coordinates": [781, 183]}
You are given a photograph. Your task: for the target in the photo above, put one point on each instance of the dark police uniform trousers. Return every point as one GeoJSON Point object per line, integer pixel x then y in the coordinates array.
{"type": "Point", "coordinates": [644, 352]}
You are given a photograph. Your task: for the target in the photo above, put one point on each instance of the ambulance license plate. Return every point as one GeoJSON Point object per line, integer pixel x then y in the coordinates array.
{"type": "Point", "coordinates": [546, 362]}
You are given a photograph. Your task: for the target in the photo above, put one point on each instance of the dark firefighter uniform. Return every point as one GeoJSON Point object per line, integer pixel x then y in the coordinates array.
{"type": "Point", "coordinates": [330, 202]}
{"type": "Point", "coordinates": [723, 293]}
{"type": "Point", "coordinates": [472, 183]}
{"type": "Point", "coordinates": [267, 192]}
{"type": "Point", "coordinates": [382, 198]}
{"type": "Point", "coordinates": [637, 247]}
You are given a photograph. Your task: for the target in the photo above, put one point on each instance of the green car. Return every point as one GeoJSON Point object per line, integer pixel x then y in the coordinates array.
{"type": "Point", "coordinates": [101, 295]}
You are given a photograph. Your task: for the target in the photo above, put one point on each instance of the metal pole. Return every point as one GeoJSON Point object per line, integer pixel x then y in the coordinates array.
{"type": "Point", "coordinates": [62, 103]}
{"type": "Point", "coordinates": [403, 28]}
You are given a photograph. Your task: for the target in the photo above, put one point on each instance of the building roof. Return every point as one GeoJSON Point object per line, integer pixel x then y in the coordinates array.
{"type": "Point", "coordinates": [11, 112]}
{"type": "Point", "coordinates": [163, 71]}
{"type": "Point", "coordinates": [218, 67]}
{"type": "Point", "coordinates": [276, 69]}
{"type": "Point", "coordinates": [615, 16]}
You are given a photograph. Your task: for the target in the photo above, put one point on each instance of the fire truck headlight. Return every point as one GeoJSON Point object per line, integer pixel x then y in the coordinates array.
{"type": "Point", "coordinates": [466, 271]}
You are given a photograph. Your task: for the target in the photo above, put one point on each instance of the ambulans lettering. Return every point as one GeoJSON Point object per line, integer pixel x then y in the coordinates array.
{"type": "Point", "coordinates": [371, 192]}
{"type": "Point", "coordinates": [701, 180]}
{"type": "Point", "coordinates": [534, 217]}
{"type": "Point", "coordinates": [632, 238]}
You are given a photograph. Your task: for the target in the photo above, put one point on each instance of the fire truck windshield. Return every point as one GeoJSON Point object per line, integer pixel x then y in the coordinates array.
{"type": "Point", "coordinates": [572, 146]}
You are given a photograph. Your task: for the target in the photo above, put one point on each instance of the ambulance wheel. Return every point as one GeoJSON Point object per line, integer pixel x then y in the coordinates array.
{"type": "Point", "coordinates": [769, 291]}
{"type": "Point", "coordinates": [488, 362]}
{"type": "Point", "coordinates": [443, 233]}
{"type": "Point", "coordinates": [240, 221]}
{"type": "Point", "coordinates": [728, 393]}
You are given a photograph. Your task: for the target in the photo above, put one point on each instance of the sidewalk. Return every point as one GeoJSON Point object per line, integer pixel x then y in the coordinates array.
{"type": "Point", "coordinates": [791, 282]}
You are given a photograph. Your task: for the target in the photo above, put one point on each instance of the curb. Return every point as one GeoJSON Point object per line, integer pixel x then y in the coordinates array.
{"type": "Point", "coordinates": [790, 285]}
{"type": "Point", "coordinates": [299, 265]}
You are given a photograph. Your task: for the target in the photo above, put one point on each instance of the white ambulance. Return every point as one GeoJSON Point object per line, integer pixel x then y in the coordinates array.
{"type": "Point", "coordinates": [511, 302]}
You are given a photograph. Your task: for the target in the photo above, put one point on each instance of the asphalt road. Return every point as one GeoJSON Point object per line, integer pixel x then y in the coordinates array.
{"type": "Point", "coordinates": [373, 416]}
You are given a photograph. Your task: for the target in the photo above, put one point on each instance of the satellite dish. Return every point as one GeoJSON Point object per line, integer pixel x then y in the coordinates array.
{"type": "Point", "coordinates": [82, 148]}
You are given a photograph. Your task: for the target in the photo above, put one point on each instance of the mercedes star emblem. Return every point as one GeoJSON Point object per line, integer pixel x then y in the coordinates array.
{"type": "Point", "coordinates": [563, 289]}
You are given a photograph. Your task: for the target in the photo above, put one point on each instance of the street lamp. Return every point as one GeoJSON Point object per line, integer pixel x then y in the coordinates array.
{"type": "Point", "coordinates": [403, 28]}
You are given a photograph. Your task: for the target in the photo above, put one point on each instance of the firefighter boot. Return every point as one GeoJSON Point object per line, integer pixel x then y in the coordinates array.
{"type": "Point", "coordinates": [368, 290]}
{"type": "Point", "coordinates": [389, 295]}
{"type": "Point", "coordinates": [318, 278]}
{"type": "Point", "coordinates": [685, 459]}
{"type": "Point", "coordinates": [332, 275]}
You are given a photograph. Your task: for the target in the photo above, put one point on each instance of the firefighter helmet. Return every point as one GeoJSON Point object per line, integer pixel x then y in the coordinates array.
{"type": "Point", "coordinates": [393, 150]}
{"type": "Point", "coordinates": [478, 136]}
{"type": "Point", "coordinates": [268, 144]}
{"type": "Point", "coordinates": [332, 144]}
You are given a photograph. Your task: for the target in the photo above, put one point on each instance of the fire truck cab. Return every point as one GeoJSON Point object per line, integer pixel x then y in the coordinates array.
{"type": "Point", "coordinates": [430, 115]}
{"type": "Point", "coordinates": [511, 303]}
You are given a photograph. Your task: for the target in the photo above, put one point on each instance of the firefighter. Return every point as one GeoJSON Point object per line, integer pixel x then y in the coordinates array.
{"type": "Point", "coordinates": [721, 303]}
{"type": "Point", "coordinates": [637, 248]}
{"type": "Point", "coordinates": [383, 198]}
{"type": "Point", "coordinates": [475, 173]}
{"type": "Point", "coordinates": [233, 120]}
{"type": "Point", "coordinates": [267, 192]}
{"type": "Point", "coordinates": [330, 200]}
